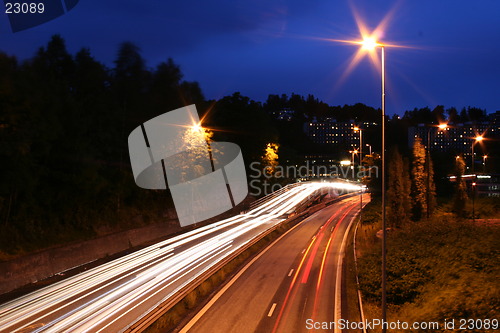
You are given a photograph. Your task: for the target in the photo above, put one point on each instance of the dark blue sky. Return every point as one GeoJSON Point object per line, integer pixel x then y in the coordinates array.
{"type": "Point", "coordinates": [260, 47]}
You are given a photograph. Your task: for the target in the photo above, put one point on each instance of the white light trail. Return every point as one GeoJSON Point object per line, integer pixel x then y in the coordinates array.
{"type": "Point", "coordinates": [110, 293]}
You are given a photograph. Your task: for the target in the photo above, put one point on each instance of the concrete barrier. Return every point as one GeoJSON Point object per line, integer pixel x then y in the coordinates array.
{"type": "Point", "coordinates": [37, 266]}
{"type": "Point", "coordinates": [40, 265]}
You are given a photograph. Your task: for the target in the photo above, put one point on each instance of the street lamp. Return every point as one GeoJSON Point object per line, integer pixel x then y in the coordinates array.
{"type": "Point", "coordinates": [370, 147]}
{"type": "Point", "coordinates": [356, 129]}
{"type": "Point", "coordinates": [478, 138]}
{"type": "Point", "coordinates": [369, 44]}
{"type": "Point", "coordinates": [484, 162]}
{"type": "Point", "coordinates": [473, 187]}
{"type": "Point", "coordinates": [440, 127]}
{"type": "Point", "coordinates": [360, 162]}
{"type": "Point", "coordinates": [196, 127]}
{"type": "Point", "coordinates": [355, 151]}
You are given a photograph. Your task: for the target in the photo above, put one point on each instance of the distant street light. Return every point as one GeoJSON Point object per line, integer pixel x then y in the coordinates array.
{"type": "Point", "coordinates": [352, 160]}
{"type": "Point", "coordinates": [473, 187]}
{"type": "Point", "coordinates": [360, 163]}
{"type": "Point", "coordinates": [484, 163]}
{"type": "Point", "coordinates": [358, 129]}
{"type": "Point", "coordinates": [478, 138]}
{"type": "Point", "coordinates": [440, 127]}
{"type": "Point", "coordinates": [370, 147]}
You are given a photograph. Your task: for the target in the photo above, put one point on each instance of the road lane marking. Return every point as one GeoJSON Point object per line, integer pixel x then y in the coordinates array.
{"type": "Point", "coordinates": [270, 313]}
{"type": "Point", "coordinates": [295, 276]}
{"type": "Point", "coordinates": [320, 275]}
{"type": "Point", "coordinates": [291, 271]}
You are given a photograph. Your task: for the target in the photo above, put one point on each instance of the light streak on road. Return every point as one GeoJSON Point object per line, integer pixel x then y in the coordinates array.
{"type": "Point", "coordinates": [113, 296]}
{"type": "Point", "coordinates": [293, 289]}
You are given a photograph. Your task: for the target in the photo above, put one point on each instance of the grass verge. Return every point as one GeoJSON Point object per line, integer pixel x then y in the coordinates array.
{"type": "Point", "coordinates": [437, 270]}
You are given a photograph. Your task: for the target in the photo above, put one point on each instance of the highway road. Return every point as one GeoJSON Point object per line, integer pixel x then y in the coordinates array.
{"type": "Point", "coordinates": [115, 295]}
{"type": "Point", "coordinates": [299, 277]}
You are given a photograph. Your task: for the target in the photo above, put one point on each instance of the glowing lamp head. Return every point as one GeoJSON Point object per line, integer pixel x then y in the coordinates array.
{"type": "Point", "coordinates": [356, 128]}
{"type": "Point", "coordinates": [369, 43]}
{"type": "Point", "coordinates": [443, 126]}
{"type": "Point", "coordinates": [196, 127]}
{"type": "Point", "coordinates": [479, 138]}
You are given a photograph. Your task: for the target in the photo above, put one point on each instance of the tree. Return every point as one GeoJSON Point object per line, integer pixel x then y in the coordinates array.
{"type": "Point", "coordinates": [452, 115]}
{"type": "Point", "coordinates": [373, 165]}
{"type": "Point", "coordinates": [270, 158]}
{"type": "Point", "coordinates": [130, 82]}
{"type": "Point", "coordinates": [430, 185]}
{"type": "Point", "coordinates": [406, 194]}
{"type": "Point", "coordinates": [239, 119]}
{"type": "Point", "coordinates": [439, 114]}
{"type": "Point", "coordinates": [397, 195]}
{"type": "Point", "coordinates": [419, 180]}
{"type": "Point", "coordinates": [460, 197]}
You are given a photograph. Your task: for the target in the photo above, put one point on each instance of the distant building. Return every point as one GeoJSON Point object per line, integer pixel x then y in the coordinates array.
{"type": "Point", "coordinates": [330, 132]}
{"type": "Point", "coordinates": [286, 114]}
{"type": "Point", "coordinates": [456, 139]}
{"type": "Point", "coordinates": [495, 123]}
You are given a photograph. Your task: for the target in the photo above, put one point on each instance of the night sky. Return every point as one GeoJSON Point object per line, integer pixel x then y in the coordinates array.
{"type": "Point", "coordinates": [262, 47]}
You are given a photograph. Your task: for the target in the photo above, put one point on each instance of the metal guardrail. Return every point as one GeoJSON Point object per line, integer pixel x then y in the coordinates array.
{"type": "Point", "coordinates": [273, 195]}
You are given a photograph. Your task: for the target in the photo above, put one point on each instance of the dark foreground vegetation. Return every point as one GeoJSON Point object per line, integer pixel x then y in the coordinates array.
{"type": "Point", "coordinates": [437, 270]}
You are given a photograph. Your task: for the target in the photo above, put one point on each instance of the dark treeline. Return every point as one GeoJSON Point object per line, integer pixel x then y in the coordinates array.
{"type": "Point", "coordinates": [65, 118]}
{"type": "Point", "coordinates": [64, 122]}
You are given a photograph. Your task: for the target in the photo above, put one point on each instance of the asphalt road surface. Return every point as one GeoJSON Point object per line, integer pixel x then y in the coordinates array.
{"type": "Point", "coordinates": [296, 279]}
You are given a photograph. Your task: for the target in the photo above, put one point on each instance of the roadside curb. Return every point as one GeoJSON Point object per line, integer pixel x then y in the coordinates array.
{"type": "Point", "coordinates": [360, 298]}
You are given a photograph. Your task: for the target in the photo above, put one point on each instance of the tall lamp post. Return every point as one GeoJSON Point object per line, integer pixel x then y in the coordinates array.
{"type": "Point", "coordinates": [369, 44]}
{"type": "Point", "coordinates": [355, 151]}
{"type": "Point", "coordinates": [357, 128]}
{"type": "Point", "coordinates": [478, 138]}
{"type": "Point", "coordinates": [440, 127]}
